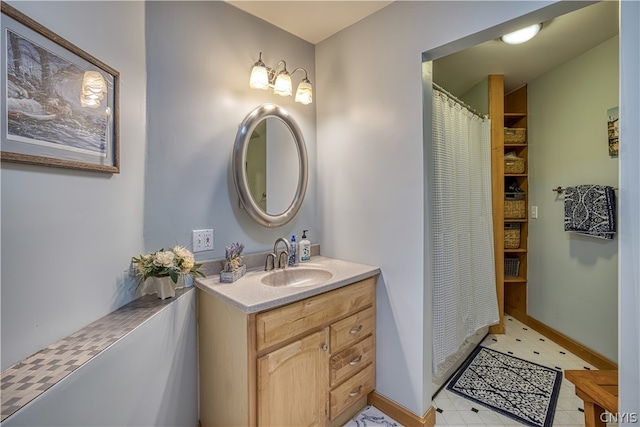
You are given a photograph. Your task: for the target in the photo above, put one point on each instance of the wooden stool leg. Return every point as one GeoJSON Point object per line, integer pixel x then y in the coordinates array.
{"type": "Point", "coordinates": [592, 415]}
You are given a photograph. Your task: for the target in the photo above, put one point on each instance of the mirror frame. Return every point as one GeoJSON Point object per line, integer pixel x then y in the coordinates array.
{"type": "Point", "coordinates": [239, 159]}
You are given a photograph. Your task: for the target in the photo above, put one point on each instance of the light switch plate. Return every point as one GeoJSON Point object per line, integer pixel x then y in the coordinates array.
{"type": "Point", "coordinates": [534, 212]}
{"type": "Point", "coordinates": [202, 240]}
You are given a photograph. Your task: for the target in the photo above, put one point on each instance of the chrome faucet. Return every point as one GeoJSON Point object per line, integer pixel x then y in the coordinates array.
{"type": "Point", "coordinates": [276, 257]}
{"type": "Point", "coordinates": [279, 254]}
{"type": "Point", "coordinates": [271, 257]}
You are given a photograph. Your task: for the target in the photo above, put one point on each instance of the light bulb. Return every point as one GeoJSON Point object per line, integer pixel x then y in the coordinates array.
{"type": "Point", "coordinates": [304, 94]}
{"type": "Point", "coordinates": [283, 84]}
{"type": "Point", "coordinates": [522, 35]}
{"type": "Point", "coordinates": [259, 77]}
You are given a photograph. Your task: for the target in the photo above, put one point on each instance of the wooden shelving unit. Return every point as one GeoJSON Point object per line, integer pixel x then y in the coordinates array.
{"type": "Point", "coordinates": [508, 111]}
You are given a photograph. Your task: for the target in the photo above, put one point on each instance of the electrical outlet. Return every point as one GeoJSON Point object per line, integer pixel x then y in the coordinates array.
{"type": "Point", "coordinates": [202, 240]}
{"type": "Point", "coordinates": [534, 212]}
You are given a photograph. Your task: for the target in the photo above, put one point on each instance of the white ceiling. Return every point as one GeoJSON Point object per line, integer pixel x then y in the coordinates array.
{"type": "Point", "coordinates": [312, 21]}
{"type": "Point", "coordinates": [560, 40]}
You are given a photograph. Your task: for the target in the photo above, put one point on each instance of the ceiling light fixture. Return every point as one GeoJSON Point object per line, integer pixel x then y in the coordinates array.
{"type": "Point", "coordinates": [263, 77]}
{"type": "Point", "coordinates": [522, 35]}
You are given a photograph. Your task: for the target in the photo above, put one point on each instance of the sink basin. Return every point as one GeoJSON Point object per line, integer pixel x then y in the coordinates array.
{"type": "Point", "coordinates": [296, 276]}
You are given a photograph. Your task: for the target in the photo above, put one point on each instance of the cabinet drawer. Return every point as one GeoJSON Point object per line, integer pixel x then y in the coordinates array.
{"type": "Point", "coordinates": [352, 390]}
{"type": "Point", "coordinates": [352, 329]}
{"type": "Point", "coordinates": [351, 360]}
{"type": "Point", "coordinates": [289, 321]}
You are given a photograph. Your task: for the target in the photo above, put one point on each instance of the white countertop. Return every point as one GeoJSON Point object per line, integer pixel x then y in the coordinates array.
{"type": "Point", "coordinates": [251, 296]}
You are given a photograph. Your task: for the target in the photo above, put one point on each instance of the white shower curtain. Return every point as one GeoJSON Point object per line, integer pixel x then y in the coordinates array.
{"type": "Point", "coordinates": [464, 291]}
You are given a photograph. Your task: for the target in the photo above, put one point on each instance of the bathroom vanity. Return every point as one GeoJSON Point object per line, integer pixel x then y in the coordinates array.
{"type": "Point", "coordinates": [292, 353]}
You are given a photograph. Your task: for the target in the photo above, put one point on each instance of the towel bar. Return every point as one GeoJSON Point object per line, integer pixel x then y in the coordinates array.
{"type": "Point", "coordinates": [560, 190]}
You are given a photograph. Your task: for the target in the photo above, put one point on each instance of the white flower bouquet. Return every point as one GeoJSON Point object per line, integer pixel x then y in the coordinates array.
{"type": "Point", "coordinates": [172, 263]}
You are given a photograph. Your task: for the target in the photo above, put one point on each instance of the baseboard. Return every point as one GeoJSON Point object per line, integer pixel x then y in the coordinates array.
{"type": "Point", "coordinates": [353, 410]}
{"type": "Point", "coordinates": [402, 414]}
{"type": "Point", "coordinates": [574, 347]}
{"type": "Point", "coordinates": [516, 314]}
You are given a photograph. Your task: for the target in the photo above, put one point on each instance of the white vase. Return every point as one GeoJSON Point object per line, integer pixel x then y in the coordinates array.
{"type": "Point", "coordinates": [163, 286]}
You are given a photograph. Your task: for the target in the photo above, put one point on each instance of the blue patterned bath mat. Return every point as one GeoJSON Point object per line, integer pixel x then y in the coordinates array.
{"type": "Point", "coordinates": [519, 389]}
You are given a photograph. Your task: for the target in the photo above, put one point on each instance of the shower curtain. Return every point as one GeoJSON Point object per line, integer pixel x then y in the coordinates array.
{"type": "Point", "coordinates": [464, 291]}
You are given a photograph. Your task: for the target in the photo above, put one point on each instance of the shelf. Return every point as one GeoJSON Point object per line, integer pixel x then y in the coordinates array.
{"type": "Point", "coordinates": [515, 120]}
{"type": "Point", "coordinates": [513, 251]}
{"type": "Point", "coordinates": [508, 111]}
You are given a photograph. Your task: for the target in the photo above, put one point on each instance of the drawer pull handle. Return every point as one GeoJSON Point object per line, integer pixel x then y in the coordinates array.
{"type": "Point", "coordinates": [356, 391]}
{"type": "Point", "coordinates": [356, 360]}
{"type": "Point", "coordinates": [356, 330]}
{"type": "Point", "coordinates": [325, 347]}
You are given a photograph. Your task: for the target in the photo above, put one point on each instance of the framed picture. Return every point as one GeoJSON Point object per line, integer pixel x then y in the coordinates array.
{"type": "Point", "coordinates": [59, 104]}
{"type": "Point", "coordinates": [613, 130]}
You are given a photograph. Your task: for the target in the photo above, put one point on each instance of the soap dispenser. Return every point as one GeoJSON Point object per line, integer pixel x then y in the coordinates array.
{"type": "Point", "coordinates": [304, 247]}
{"type": "Point", "coordinates": [293, 252]}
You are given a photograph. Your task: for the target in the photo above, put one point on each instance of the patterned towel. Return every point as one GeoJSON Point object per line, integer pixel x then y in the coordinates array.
{"type": "Point", "coordinates": [590, 210]}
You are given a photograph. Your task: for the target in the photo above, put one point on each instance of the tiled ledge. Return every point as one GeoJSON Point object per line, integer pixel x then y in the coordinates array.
{"type": "Point", "coordinates": [26, 380]}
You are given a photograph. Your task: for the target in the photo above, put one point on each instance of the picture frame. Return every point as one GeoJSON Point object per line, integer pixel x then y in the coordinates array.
{"type": "Point", "coordinates": [59, 104]}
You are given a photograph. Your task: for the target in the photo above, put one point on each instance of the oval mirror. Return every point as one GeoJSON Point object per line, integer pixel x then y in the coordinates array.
{"type": "Point", "coordinates": [270, 165]}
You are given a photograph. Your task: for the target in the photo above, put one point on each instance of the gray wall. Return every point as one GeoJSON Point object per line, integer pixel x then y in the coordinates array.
{"type": "Point", "coordinates": [361, 189]}
{"type": "Point", "coordinates": [199, 57]}
{"type": "Point", "coordinates": [189, 85]}
{"type": "Point", "coordinates": [148, 378]}
{"type": "Point", "coordinates": [68, 236]}
{"type": "Point", "coordinates": [371, 173]}
{"type": "Point", "coordinates": [67, 240]}
{"type": "Point", "coordinates": [478, 96]}
{"type": "Point", "coordinates": [629, 197]}
{"type": "Point", "coordinates": [572, 278]}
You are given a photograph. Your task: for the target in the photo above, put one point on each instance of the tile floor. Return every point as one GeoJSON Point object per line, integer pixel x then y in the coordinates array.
{"type": "Point", "coordinates": [519, 341]}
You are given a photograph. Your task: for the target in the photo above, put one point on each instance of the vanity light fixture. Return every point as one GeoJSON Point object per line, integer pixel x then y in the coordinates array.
{"type": "Point", "coordinates": [279, 79]}
{"type": "Point", "coordinates": [522, 35]}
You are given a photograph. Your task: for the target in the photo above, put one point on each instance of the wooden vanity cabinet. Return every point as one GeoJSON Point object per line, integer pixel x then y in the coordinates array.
{"type": "Point", "coordinates": [291, 386]}
{"type": "Point", "coordinates": [311, 362]}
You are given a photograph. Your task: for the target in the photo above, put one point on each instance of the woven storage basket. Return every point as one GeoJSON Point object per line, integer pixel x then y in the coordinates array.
{"type": "Point", "coordinates": [514, 206]}
{"type": "Point", "coordinates": [514, 135]}
{"type": "Point", "coordinates": [513, 165]}
{"type": "Point", "coordinates": [511, 267]}
{"type": "Point", "coordinates": [511, 235]}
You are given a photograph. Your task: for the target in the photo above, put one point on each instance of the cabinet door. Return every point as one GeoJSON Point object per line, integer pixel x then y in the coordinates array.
{"type": "Point", "coordinates": [293, 383]}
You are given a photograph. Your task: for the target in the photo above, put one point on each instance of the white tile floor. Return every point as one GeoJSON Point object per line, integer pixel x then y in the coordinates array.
{"type": "Point", "coordinates": [519, 341]}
